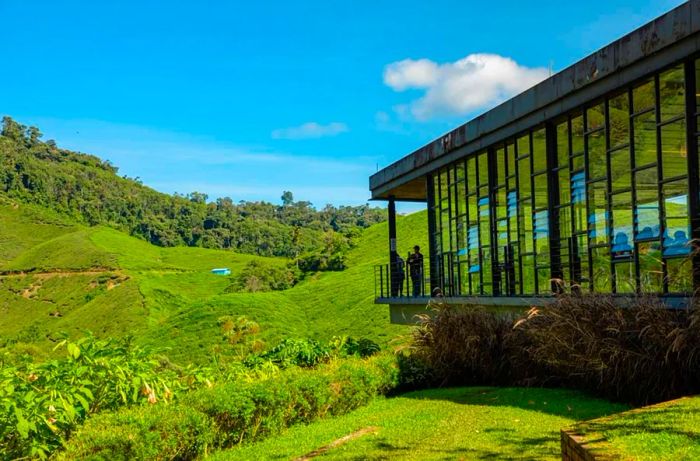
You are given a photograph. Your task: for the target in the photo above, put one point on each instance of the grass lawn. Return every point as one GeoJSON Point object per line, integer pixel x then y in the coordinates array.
{"type": "Point", "coordinates": [667, 431]}
{"type": "Point", "coordinates": [457, 423]}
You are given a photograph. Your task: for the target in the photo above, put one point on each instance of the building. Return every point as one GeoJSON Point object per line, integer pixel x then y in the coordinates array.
{"type": "Point", "coordinates": [586, 182]}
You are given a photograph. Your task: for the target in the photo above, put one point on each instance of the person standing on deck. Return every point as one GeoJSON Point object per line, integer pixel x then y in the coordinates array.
{"type": "Point", "coordinates": [415, 266]}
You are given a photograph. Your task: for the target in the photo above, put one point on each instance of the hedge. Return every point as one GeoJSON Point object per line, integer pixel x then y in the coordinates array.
{"type": "Point", "coordinates": [233, 413]}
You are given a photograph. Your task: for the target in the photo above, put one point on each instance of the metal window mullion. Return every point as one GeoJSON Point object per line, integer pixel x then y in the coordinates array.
{"type": "Point", "coordinates": [660, 176]}
{"type": "Point", "coordinates": [552, 162]}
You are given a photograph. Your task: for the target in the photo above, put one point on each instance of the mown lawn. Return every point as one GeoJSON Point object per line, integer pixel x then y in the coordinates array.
{"type": "Point", "coordinates": [668, 431]}
{"type": "Point", "coordinates": [458, 423]}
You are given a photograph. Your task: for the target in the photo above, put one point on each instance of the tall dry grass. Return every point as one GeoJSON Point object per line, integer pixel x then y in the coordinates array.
{"type": "Point", "coordinates": [640, 353]}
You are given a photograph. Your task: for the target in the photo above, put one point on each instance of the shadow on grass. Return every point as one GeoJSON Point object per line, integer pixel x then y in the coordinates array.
{"type": "Point", "coordinates": [558, 402]}
{"type": "Point", "coordinates": [671, 419]}
{"type": "Point", "coordinates": [511, 447]}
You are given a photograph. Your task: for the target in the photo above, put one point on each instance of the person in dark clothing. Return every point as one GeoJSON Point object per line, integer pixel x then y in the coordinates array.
{"type": "Point", "coordinates": [397, 277]}
{"type": "Point", "coordinates": [415, 267]}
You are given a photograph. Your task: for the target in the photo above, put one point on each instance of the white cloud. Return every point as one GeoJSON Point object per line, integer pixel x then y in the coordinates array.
{"type": "Point", "coordinates": [475, 82]}
{"type": "Point", "coordinates": [310, 130]}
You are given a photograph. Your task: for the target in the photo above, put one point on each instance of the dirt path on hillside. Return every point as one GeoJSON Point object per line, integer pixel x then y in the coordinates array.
{"type": "Point", "coordinates": [57, 273]}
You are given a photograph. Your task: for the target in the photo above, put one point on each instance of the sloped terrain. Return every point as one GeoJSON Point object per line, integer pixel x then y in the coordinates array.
{"type": "Point", "coordinates": [60, 278]}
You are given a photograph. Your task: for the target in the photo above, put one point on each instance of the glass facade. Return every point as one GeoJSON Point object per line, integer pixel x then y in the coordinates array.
{"type": "Point", "coordinates": [600, 200]}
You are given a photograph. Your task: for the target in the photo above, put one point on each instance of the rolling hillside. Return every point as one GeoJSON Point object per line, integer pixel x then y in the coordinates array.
{"type": "Point", "coordinates": [59, 277]}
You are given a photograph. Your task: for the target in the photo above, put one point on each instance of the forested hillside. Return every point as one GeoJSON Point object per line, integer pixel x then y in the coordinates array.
{"type": "Point", "coordinates": [89, 190]}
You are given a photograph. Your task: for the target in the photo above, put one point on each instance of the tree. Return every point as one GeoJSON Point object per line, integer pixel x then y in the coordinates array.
{"type": "Point", "coordinates": [34, 135]}
{"type": "Point", "coordinates": [12, 129]}
{"type": "Point", "coordinates": [198, 197]}
{"type": "Point", "coordinates": [287, 198]}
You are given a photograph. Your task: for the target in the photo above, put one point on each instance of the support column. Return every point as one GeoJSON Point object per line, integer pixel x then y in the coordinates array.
{"type": "Point", "coordinates": [433, 249]}
{"type": "Point", "coordinates": [394, 275]}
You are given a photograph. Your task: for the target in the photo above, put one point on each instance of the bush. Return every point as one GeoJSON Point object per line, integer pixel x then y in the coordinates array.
{"type": "Point", "coordinates": [158, 433]}
{"type": "Point", "coordinates": [238, 412]}
{"type": "Point", "coordinates": [262, 276]}
{"type": "Point", "coordinates": [294, 352]}
{"type": "Point", "coordinates": [40, 405]}
{"type": "Point", "coordinates": [640, 353]}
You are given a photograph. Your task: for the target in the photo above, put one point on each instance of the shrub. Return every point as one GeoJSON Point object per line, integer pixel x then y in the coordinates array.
{"type": "Point", "coordinates": [40, 405]}
{"type": "Point", "coordinates": [238, 412]}
{"type": "Point", "coordinates": [640, 353]}
{"type": "Point", "coordinates": [295, 352]}
{"type": "Point", "coordinates": [262, 276]}
{"type": "Point", "coordinates": [159, 433]}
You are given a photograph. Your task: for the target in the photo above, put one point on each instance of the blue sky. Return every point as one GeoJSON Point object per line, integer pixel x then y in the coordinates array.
{"type": "Point", "coordinates": [247, 99]}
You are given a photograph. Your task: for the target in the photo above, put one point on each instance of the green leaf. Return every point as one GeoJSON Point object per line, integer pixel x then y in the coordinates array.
{"type": "Point", "coordinates": [74, 350]}
{"type": "Point", "coordinates": [22, 424]}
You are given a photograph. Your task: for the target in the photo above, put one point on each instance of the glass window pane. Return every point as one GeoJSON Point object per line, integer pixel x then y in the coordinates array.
{"type": "Point", "coordinates": [676, 240]}
{"type": "Point", "coordinates": [595, 118]}
{"type": "Point", "coordinates": [618, 108]}
{"type": "Point", "coordinates": [471, 174]}
{"type": "Point", "coordinates": [501, 166]}
{"type": "Point", "coordinates": [544, 280]}
{"type": "Point", "coordinates": [679, 275]}
{"type": "Point", "coordinates": [510, 154]}
{"type": "Point", "coordinates": [645, 139]}
{"type": "Point", "coordinates": [672, 93]}
{"type": "Point", "coordinates": [524, 177]}
{"type": "Point", "coordinates": [541, 197]}
{"type": "Point", "coordinates": [483, 169]}
{"type": "Point", "coordinates": [643, 97]}
{"type": "Point", "coordinates": [674, 154]}
{"type": "Point", "coordinates": [564, 186]}
{"type": "Point", "coordinates": [647, 209]}
{"type": "Point", "coordinates": [621, 205]}
{"type": "Point", "coordinates": [597, 214]}
{"type": "Point", "coordinates": [577, 135]}
{"type": "Point", "coordinates": [650, 267]}
{"type": "Point", "coordinates": [563, 144]}
{"type": "Point", "coordinates": [602, 276]}
{"type": "Point", "coordinates": [620, 169]}
{"type": "Point", "coordinates": [539, 151]}
{"type": "Point", "coordinates": [542, 236]}
{"type": "Point", "coordinates": [625, 278]}
{"type": "Point", "coordinates": [528, 274]}
{"type": "Point", "coordinates": [597, 163]}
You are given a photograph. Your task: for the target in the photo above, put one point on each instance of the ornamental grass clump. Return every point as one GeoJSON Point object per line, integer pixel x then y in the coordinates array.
{"type": "Point", "coordinates": [638, 352]}
{"type": "Point", "coordinates": [642, 352]}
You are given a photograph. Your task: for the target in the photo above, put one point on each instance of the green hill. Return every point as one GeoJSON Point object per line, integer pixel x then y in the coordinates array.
{"type": "Point", "coordinates": [59, 277]}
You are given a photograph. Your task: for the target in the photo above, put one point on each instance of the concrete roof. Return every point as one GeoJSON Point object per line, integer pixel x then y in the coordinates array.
{"type": "Point", "coordinates": [623, 61]}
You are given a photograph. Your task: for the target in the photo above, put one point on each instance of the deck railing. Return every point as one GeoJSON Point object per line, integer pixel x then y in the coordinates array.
{"type": "Point", "coordinates": [401, 280]}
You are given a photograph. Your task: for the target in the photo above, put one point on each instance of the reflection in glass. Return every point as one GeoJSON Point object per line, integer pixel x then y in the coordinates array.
{"type": "Point", "coordinates": [672, 93]}
{"type": "Point", "coordinates": [601, 270]}
{"type": "Point", "coordinates": [674, 153]}
{"type": "Point", "coordinates": [650, 267]}
{"type": "Point", "coordinates": [622, 226]}
{"type": "Point", "coordinates": [620, 174]}
{"type": "Point", "coordinates": [618, 109]}
{"type": "Point", "coordinates": [645, 139]}
{"type": "Point", "coordinates": [597, 163]}
{"type": "Point", "coordinates": [676, 240]}
{"type": "Point", "coordinates": [679, 275]}
{"type": "Point", "coordinates": [625, 278]}
{"type": "Point", "coordinates": [597, 214]}
{"type": "Point", "coordinates": [643, 97]}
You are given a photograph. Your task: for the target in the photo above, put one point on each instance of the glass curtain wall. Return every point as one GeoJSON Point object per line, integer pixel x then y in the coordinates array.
{"type": "Point", "coordinates": [620, 171]}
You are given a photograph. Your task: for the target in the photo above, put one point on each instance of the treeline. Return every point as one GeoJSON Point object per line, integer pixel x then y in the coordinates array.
{"type": "Point", "coordinates": [90, 190]}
